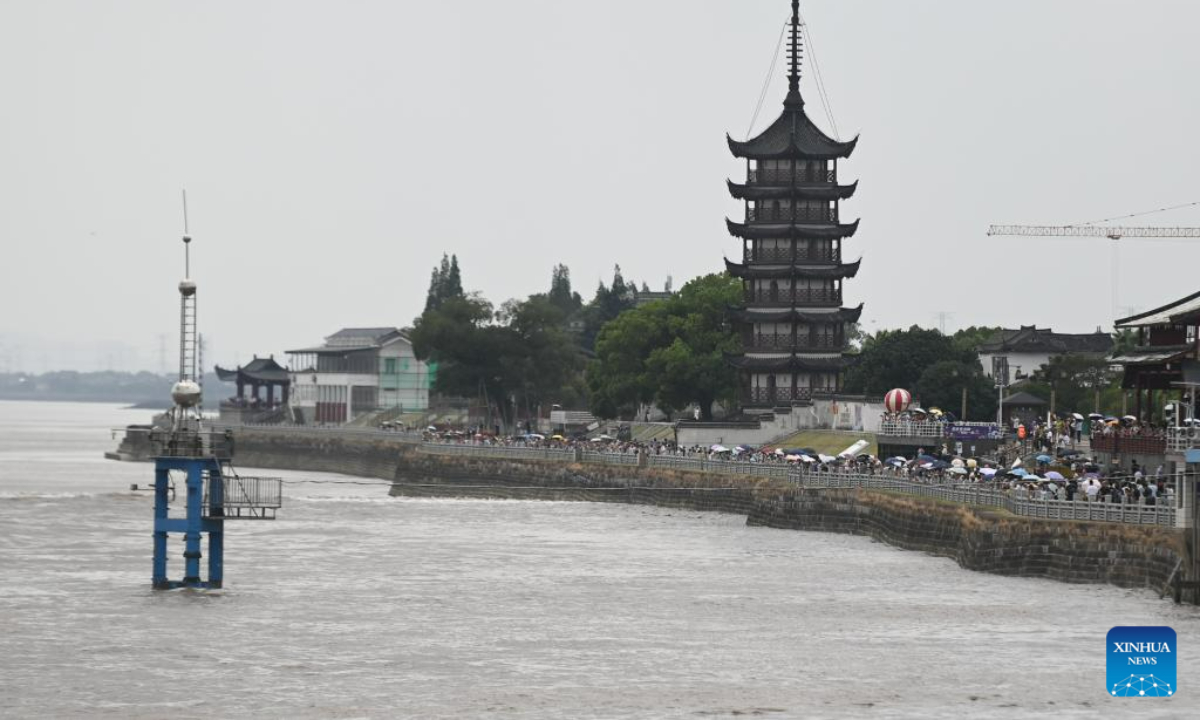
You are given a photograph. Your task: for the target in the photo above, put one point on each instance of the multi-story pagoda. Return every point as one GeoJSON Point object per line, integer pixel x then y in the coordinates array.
{"type": "Point", "coordinates": [792, 321]}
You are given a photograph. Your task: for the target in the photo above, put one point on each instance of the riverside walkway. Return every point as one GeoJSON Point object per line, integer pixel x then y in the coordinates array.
{"type": "Point", "coordinates": [965, 493]}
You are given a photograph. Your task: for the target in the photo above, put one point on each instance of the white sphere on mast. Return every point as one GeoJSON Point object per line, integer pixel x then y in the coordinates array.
{"type": "Point", "coordinates": [185, 393]}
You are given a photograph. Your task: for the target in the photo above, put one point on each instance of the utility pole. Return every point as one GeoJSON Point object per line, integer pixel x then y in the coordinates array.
{"type": "Point", "coordinates": [1000, 374]}
{"type": "Point", "coordinates": [963, 416]}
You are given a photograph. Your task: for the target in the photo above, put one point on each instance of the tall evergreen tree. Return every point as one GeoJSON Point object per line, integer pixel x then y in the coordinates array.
{"type": "Point", "coordinates": [561, 295]}
{"type": "Point", "coordinates": [454, 286]}
{"type": "Point", "coordinates": [433, 298]}
{"type": "Point", "coordinates": [444, 283]}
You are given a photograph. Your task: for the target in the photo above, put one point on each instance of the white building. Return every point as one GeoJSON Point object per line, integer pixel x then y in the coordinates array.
{"type": "Point", "coordinates": [358, 370]}
{"type": "Point", "coordinates": [1029, 347]}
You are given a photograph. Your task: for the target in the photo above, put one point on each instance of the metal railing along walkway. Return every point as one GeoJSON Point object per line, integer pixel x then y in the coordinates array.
{"type": "Point", "coordinates": [971, 494]}
{"type": "Point", "coordinates": [966, 493]}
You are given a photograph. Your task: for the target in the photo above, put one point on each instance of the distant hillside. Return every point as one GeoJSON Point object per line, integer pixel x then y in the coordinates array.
{"type": "Point", "coordinates": [143, 388]}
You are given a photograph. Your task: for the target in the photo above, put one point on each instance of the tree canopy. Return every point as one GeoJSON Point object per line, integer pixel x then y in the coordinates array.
{"type": "Point", "coordinates": [445, 283]}
{"type": "Point", "coordinates": [514, 358]}
{"type": "Point", "coordinates": [933, 366]}
{"type": "Point", "coordinates": [670, 352]}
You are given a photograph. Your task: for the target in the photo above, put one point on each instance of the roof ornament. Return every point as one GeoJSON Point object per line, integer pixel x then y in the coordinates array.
{"type": "Point", "coordinates": [795, 54]}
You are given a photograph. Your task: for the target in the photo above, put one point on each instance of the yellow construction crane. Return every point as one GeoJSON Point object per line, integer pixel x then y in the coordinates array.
{"type": "Point", "coordinates": [1112, 232]}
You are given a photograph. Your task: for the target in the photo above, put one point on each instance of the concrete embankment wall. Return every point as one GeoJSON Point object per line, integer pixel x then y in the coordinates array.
{"type": "Point", "coordinates": [978, 539]}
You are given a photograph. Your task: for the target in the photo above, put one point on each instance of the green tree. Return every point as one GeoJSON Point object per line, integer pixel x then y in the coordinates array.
{"type": "Point", "coordinates": [543, 361]}
{"type": "Point", "coordinates": [453, 285]}
{"type": "Point", "coordinates": [457, 336]}
{"type": "Point", "coordinates": [608, 302]}
{"type": "Point", "coordinates": [561, 295]}
{"type": "Point", "coordinates": [514, 359]}
{"type": "Point", "coordinates": [897, 358]}
{"type": "Point", "coordinates": [969, 338]}
{"type": "Point", "coordinates": [670, 352]}
{"type": "Point", "coordinates": [1074, 381]}
{"type": "Point", "coordinates": [941, 385]}
{"type": "Point", "coordinates": [444, 283]}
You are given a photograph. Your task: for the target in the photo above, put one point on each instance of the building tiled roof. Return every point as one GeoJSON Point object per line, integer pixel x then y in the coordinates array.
{"type": "Point", "coordinates": [361, 336]}
{"type": "Point", "coordinates": [1032, 339]}
{"type": "Point", "coordinates": [355, 339]}
{"type": "Point", "coordinates": [1152, 355]}
{"type": "Point", "coordinates": [1176, 313]}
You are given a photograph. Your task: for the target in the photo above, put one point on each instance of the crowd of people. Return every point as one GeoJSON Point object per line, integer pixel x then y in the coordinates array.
{"type": "Point", "coordinates": [1043, 465]}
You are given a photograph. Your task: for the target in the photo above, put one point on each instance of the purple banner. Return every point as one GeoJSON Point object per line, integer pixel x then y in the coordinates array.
{"type": "Point", "coordinates": [973, 431]}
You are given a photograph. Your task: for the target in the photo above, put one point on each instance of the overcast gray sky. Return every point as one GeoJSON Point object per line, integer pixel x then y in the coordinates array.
{"type": "Point", "coordinates": [333, 151]}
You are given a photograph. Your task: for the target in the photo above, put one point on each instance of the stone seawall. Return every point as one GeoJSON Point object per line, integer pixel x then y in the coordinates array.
{"type": "Point", "coordinates": [980, 539]}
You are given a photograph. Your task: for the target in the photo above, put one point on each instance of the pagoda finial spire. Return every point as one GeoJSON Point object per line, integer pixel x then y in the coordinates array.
{"type": "Point", "coordinates": [795, 51]}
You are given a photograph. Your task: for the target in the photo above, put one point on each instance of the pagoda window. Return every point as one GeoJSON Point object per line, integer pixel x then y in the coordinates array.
{"type": "Point", "coordinates": [774, 292]}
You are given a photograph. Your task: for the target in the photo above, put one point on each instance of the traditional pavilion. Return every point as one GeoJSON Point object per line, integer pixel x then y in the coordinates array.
{"type": "Point", "coordinates": [1164, 361]}
{"type": "Point", "coordinates": [792, 321]}
{"type": "Point", "coordinates": [259, 373]}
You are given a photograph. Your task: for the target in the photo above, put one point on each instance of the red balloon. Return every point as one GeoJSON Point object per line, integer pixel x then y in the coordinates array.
{"type": "Point", "coordinates": [897, 400]}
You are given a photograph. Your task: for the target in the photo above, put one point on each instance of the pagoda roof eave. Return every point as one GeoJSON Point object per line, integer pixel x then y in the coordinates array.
{"type": "Point", "coordinates": [794, 314]}
{"type": "Point", "coordinates": [790, 230]}
{"type": "Point", "coordinates": [802, 191]}
{"type": "Point", "coordinates": [792, 135]}
{"type": "Point", "coordinates": [791, 362]}
{"type": "Point", "coordinates": [847, 270]}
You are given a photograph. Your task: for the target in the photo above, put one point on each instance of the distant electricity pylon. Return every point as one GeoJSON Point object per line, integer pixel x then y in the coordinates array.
{"type": "Point", "coordinates": [163, 369]}
{"type": "Point", "coordinates": [941, 317]}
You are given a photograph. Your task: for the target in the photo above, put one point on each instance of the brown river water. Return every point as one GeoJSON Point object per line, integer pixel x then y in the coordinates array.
{"type": "Point", "coordinates": [354, 604]}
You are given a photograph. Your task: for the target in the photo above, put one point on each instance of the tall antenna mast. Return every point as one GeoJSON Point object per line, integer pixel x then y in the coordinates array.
{"type": "Point", "coordinates": [186, 392]}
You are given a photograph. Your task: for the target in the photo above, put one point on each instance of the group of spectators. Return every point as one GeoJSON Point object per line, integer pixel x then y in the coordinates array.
{"type": "Point", "coordinates": [1067, 475]}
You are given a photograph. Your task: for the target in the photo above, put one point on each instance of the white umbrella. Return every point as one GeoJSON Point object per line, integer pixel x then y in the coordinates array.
{"type": "Point", "coordinates": [826, 458]}
{"type": "Point", "coordinates": [987, 472]}
{"type": "Point", "coordinates": [958, 471]}
{"type": "Point", "coordinates": [957, 462]}
{"type": "Point", "coordinates": [807, 459]}
{"type": "Point", "coordinates": [719, 448]}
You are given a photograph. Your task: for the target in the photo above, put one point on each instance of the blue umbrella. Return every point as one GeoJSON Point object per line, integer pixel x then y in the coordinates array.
{"type": "Point", "coordinates": [1045, 459]}
{"type": "Point", "coordinates": [1019, 472]}
{"type": "Point", "coordinates": [926, 458]}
